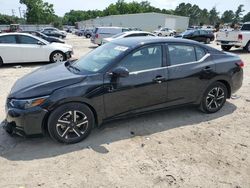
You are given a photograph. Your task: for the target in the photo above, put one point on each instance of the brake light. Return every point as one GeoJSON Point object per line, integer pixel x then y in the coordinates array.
{"type": "Point", "coordinates": [240, 64]}
{"type": "Point", "coordinates": [96, 36]}
{"type": "Point", "coordinates": [240, 37]}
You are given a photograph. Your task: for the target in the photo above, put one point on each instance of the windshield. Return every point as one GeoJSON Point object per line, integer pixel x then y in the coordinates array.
{"type": "Point", "coordinates": [99, 58]}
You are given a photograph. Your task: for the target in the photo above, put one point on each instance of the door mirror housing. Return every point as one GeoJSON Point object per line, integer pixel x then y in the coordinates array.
{"type": "Point", "coordinates": [120, 72]}
{"type": "Point", "coordinates": [40, 43]}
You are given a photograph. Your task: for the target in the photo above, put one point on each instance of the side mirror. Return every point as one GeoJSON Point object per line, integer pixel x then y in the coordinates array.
{"type": "Point", "coordinates": [120, 72]}
{"type": "Point", "coordinates": [40, 43]}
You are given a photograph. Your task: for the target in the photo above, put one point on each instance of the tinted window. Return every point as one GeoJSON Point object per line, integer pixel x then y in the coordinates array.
{"type": "Point", "coordinates": [246, 27]}
{"type": "Point", "coordinates": [200, 53]}
{"type": "Point", "coordinates": [27, 40]}
{"type": "Point", "coordinates": [179, 54]}
{"type": "Point", "coordinates": [202, 32]}
{"type": "Point", "coordinates": [10, 39]}
{"type": "Point", "coordinates": [143, 59]}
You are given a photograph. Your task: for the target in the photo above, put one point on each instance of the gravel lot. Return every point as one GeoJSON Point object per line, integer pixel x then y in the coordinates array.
{"type": "Point", "coordinates": [173, 148]}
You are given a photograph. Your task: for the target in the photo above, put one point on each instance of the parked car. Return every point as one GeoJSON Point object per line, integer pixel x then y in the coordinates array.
{"type": "Point", "coordinates": [45, 37]}
{"type": "Point", "coordinates": [53, 33]}
{"type": "Point", "coordinates": [88, 33]}
{"type": "Point", "coordinates": [80, 32]}
{"type": "Point", "coordinates": [128, 34]}
{"type": "Point", "coordinates": [22, 48]}
{"type": "Point", "coordinates": [197, 35]}
{"type": "Point", "coordinates": [238, 39]}
{"type": "Point", "coordinates": [125, 77]}
{"type": "Point", "coordinates": [165, 32]}
{"type": "Point", "coordinates": [55, 29]}
{"type": "Point", "coordinates": [105, 32]}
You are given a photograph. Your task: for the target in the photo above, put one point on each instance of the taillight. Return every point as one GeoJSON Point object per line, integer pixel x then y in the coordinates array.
{"type": "Point", "coordinates": [240, 64]}
{"type": "Point", "coordinates": [240, 37]}
{"type": "Point", "coordinates": [96, 36]}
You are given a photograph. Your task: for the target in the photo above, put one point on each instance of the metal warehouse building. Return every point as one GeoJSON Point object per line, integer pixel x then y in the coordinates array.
{"type": "Point", "coordinates": [144, 21]}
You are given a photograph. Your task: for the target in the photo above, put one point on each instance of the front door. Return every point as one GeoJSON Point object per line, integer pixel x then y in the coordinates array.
{"type": "Point", "coordinates": [145, 86]}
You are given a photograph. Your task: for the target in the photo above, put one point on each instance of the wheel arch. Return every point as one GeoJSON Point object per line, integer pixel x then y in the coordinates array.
{"type": "Point", "coordinates": [46, 118]}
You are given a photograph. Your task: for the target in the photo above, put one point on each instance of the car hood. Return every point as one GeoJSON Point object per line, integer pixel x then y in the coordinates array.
{"type": "Point", "coordinates": [44, 81]}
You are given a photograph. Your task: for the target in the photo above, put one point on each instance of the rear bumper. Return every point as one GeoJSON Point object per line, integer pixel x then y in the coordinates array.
{"type": "Point", "coordinates": [27, 122]}
{"type": "Point", "coordinates": [237, 80]}
{"type": "Point", "coordinates": [229, 43]}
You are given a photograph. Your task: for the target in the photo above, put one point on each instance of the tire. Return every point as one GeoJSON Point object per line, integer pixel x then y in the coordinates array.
{"type": "Point", "coordinates": [214, 98]}
{"type": "Point", "coordinates": [159, 35]}
{"type": "Point", "coordinates": [171, 34]}
{"type": "Point", "coordinates": [57, 56]}
{"type": "Point", "coordinates": [247, 47]}
{"type": "Point", "coordinates": [70, 123]}
{"type": "Point", "coordinates": [208, 40]}
{"type": "Point", "coordinates": [225, 47]}
{"type": "Point", "coordinates": [1, 62]}
{"type": "Point", "coordinates": [88, 36]}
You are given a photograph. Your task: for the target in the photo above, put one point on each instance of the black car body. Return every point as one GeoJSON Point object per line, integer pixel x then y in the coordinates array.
{"type": "Point", "coordinates": [145, 74]}
{"type": "Point", "coordinates": [45, 37]}
{"type": "Point", "coordinates": [197, 35]}
{"type": "Point", "coordinates": [53, 33]}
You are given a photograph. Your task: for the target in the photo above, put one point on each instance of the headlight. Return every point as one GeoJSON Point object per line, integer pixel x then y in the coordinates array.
{"type": "Point", "coordinates": [27, 103]}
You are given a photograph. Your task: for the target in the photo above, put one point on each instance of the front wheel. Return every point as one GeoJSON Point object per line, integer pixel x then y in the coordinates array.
{"type": "Point", "coordinates": [70, 123]}
{"type": "Point", "coordinates": [88, 36]}
{"type": "Point", "coordinates": [56, 57]}
{"type": "Point", "coordinates": [214, 98]}
{"type": "Point", "coordinates": [226, 47]}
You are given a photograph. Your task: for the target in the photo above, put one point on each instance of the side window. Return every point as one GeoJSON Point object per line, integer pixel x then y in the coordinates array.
{"type": "Point", "coordinates": [180, 54]}
{"type": "Point", "coordinates": [27, 40]}
{"type": "Point", "coordinates": [9, 39]}
{"type": "Point", "coordinates": [200, 53]}
{"type": "Point", "coordinates": [143, 59]}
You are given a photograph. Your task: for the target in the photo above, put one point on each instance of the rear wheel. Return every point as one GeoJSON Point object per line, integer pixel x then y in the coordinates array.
{"type": "Point", "coordinates": [226, 47]}
{"type": "Point", "coordinates": [57, 56]}
{"type": "Point", "coordinates": [247, 47]}
{"type": "Point", "coordinates": [171, 34]}
{"type": "Point", "coordinates": [159, 34]}
{"type": "Point", "coordinates": [214, 98]}
{"type": "Point", "coordinates": [70, 123]}
{"type": "Point", "coordinates": [88, 36]}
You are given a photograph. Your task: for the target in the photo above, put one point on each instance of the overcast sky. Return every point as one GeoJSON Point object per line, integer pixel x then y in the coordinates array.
{"type": "Point", "coordinates": [63, 6]}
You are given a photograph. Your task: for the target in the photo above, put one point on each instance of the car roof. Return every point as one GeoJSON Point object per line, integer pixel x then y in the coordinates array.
{"type": "Point", "coordinates": [140, 41]}
{"type": "Point", "coordinates": [135, 32]}
{"type": "Point", "coordinates": [13, 33]}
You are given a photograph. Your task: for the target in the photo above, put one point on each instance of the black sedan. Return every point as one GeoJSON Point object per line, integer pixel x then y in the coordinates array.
{"type": "Point", "coordinates": [121, 78]}
{"type": "Point", "coordinates": [53, 33]}
{"type": "Point", "coordinates": [45, 37]}
{"type": "Point", "coordinates": [197, 35]}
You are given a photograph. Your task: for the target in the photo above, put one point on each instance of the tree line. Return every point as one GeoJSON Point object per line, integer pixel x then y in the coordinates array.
{"type": "Point", "coordinates": [39, 12]}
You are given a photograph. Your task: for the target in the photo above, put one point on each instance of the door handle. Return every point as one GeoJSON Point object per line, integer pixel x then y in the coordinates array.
{"type": "Point", "coordinates": [158, 79]}
{"type": "Point", "coordinates": [207, 69]}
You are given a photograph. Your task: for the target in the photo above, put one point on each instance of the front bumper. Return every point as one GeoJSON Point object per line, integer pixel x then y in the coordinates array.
{"type": "Point", "coordinates": [27, 122]}
{"type": "Point", "coordinates": [69, 54]}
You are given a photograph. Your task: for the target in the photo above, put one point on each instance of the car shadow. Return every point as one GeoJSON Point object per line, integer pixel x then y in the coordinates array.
{"type": "Point", "coordinates": [23, 65]}
{"type": "Point", "coordinates": [26, 149]}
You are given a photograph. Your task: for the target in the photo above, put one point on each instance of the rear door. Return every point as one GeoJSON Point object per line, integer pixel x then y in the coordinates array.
{"type": "Point", "coordinates": [9, 49]}
{"type": "Point", "coordinates": [190, 69]}
{"type": "Point", "coordinates": [146, 85]}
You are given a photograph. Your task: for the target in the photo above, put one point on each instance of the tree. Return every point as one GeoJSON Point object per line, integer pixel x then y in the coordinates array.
{"type": "Point", "coordinates": [238, 14]}
{"type": "Point", "coordinates": [246, 18]}
{"type": "Point", "coordinates": [39, 12]}
{"type": "Point", "coordinates": [6, 19]}
{"type": "Point", "coordinates": [213, 16]}
{"type": "Point", "coordinates": [228, 16]}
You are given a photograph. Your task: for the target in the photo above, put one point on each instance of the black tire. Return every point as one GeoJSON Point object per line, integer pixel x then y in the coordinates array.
{"type": "Point", "coordinates": [1, 62]}
{"type": "Point", "coordinates": [88, 36]}
{"type": "Point", "coordinates": [214, 98]}
{"type": "Point", "coordinates": [66, 123]}
{"type": "Point", "coordinates": [159, 35]}
{"type": "Point", "coordinates": [171, 34]}
{"type": "Point", "coordinates": [61, 57]}
{"type": "Point", "coordinates": [247, 47]}
{"type": "Point", "coordinates": [225, 47]}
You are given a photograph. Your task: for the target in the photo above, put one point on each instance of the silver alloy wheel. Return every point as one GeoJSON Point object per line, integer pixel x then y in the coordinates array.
{"type": "Point", "coordinates": [72, 124]}
{"type": "Point", "coordinates": [58, 57]}
{"type": "Point", "coordinates": [215, 98]}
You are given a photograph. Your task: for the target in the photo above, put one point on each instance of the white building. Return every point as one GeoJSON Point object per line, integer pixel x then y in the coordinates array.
{"type": "Point", "coordinates": [144, 21]}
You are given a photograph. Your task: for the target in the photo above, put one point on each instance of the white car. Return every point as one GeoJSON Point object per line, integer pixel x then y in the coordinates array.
{"type": "Point", "coordinates": [22, 48]}
{"type": "Point", "coordinates": [165, 32]}
{"type": "Point", "coordinates": [128, 34]}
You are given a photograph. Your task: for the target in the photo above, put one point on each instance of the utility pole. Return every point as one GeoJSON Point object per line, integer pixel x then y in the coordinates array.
{"type": "Point", "coordinates": [13, 12]}
{"type": "Point", "coordinates": [19, 8]}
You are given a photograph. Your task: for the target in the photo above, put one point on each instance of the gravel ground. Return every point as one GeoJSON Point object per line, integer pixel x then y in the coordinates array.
{"type": "Point", "coordinates": [173, 148]}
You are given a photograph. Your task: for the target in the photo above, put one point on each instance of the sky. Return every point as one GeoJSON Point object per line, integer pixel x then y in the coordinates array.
{"type": "Point", "coordinates": [63, 6]}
